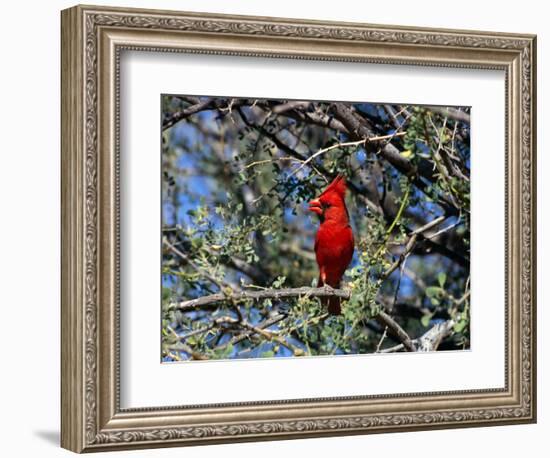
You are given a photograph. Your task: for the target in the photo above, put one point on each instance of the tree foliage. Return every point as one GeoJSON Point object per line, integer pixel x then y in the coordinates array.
{"type": "Point", "coordinates": [237, 175]}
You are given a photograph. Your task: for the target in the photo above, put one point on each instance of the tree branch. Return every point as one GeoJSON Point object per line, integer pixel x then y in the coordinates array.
{"type": "Point", "coordinates": [179, 115]}
{"type": "Point", "coordinates": [385, 320]}
{"type": "Point", "coordinates": [238, 296]}
{"type": "Point", "coordinates": [203, 301]}
{"type": "Point", "coordinates": [261, 330]}
{"type": "Point", "coordinates": [359, 130]}
{"type": "Point", "coordinates": [219, 283]}
{"type": "Point", "coordinates": [301, 158]}
{"type": "Point", "coordinates": [247, 332]}
{"type": "Point", "coordinates": [430, 340]}
{"type": "Point", "coordinates": [452, 113]}
{"type": "Point", "coordinates": [410, 245]}
{"type": "Point", "coordinates": [346, 144]}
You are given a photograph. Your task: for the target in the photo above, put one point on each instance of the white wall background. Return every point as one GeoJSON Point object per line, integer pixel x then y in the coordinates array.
{"type": "Point", "coordinates": [30, 213]}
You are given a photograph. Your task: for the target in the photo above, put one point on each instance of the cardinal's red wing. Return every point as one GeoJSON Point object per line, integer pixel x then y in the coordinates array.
{"type": "Point", "coordinates": [334, 250]}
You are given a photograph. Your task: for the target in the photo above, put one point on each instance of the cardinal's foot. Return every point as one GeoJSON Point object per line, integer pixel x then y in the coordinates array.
{"type": "Point", "coordinates": [328, 288]}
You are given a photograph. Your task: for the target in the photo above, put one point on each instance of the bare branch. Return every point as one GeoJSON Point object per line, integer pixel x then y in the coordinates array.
{"type": "Point", "coordinates": [247, 332]}
{"type": "Point", "coordinates": [301, 158]}
{"type": "Point", "coordinates": [385, 320]}
{"type": "Point", "coordinates": [410, 245]}
{"type": "Point", "coordinates": [283, 293]}
{"type": "Point", "coordinates": [292, 105]}
{"type": "Point", "coordinates": [453, 113]}
{"type": "Point", "coordinates": [358, 129]}
{"type": "Point", "coordinates": [179, 115]}
{"type": "Point", "coordinates": [429, 341]}
{"type": "Point", "coordinates": [346, 144]}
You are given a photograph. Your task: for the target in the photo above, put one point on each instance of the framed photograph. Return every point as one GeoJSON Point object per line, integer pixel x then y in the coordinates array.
{"type": "Point", "coordinates": [278, 228]}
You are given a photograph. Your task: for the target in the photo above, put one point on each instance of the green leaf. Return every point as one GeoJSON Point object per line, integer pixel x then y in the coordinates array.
{"type": "Point", "coordinates": [433, 291]}
{"type": "Point", "coordinates": [459, 327]}
{"type": "Point", "coordinates": [426, 320]}
{"type": "Point", "coordinates": [279, 281]}
{"type": "Point", "coordinates": [441, 278]}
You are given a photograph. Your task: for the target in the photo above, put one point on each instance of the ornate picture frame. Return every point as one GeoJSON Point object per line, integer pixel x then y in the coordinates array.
{"type": "Point", "coordinates": [93, 39]}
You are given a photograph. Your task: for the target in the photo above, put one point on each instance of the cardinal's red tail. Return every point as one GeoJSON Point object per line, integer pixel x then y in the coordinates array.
{"type": "Point", "coordinates": [333, 304]}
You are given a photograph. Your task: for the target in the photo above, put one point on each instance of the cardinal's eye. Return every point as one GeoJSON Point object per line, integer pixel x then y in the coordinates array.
{"type": "Point", "coordinates": [325, 205]}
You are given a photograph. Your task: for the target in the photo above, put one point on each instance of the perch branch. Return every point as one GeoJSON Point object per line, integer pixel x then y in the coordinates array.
{"type": "Point", "coordinates": [236, 296]}
{"type": "Point", "coordinates": [203, 301]}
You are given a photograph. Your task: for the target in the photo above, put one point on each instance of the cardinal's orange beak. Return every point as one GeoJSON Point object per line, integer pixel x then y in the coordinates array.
{"type": "Point", "coordinates": [315, 206]}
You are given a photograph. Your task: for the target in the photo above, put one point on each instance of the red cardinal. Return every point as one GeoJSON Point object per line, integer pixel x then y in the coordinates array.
{"type": "Point", "coordinates": [334, 240]}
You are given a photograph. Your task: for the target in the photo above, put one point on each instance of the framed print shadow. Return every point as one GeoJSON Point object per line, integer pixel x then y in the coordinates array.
{"type": "Point", "coordinates": [278, 228]}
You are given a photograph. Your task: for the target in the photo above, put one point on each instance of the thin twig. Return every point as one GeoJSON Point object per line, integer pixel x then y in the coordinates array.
{"type": "Point", "coordinates": [174, 356]}
{"type": "Point", "coordinates": [247, 332]}
{"type": "Point", "coordinates": [344, 145]}
{"type": "Point", "coordinates": [410, 245]}
{"type": "Point", "coordinates": [384, 334]}
{"type": "Point", "coordinates": [185, 348]}
{"type": "Point", "coordinates": [219, 283]}
{"type": "Point", "coordinates": [270, 161]}
{"type": "Point", "coordinates": [404, 202]}
{"type": "Point", "coordinates": [442, 231]}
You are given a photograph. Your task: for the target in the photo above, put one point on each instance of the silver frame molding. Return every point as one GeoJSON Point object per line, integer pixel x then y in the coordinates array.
{"type": "Point", "coordinates": [92, 40]}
